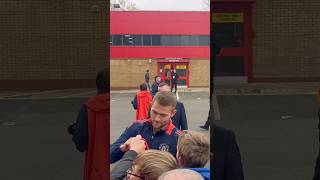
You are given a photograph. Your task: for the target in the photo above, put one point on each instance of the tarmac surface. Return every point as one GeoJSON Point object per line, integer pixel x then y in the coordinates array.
{"type": "Point", "coordinates": [275, 126]}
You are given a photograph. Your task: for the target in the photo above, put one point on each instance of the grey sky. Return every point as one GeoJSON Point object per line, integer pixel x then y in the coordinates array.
{"type": "Point", "coordinates": [172, 5]}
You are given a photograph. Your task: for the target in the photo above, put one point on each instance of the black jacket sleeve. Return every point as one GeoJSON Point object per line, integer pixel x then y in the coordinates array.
{"type": "Point", "coordinates": [184, 122]}
{"type": "Point", "coordinates": [80, 130]}
{"type": "Point", "coordinates": [135, 103]}
{"type": "Point", "coordinates": [233, 168]}
{"type": "Point", "coordinates": [118, 172]}
{"type": "Point", "coordinates": [316, 175]}
{"type": "Point", "coordinates": [226, 163]}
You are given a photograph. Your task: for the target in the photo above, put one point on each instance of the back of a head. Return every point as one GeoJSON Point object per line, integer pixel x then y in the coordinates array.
{"type": "Point", "coordinates": [164, 87]}
{"type": "Point", "coordinates": [153, 163]}
{"type": "Point", "coordinates": [165, 99]}
{"type": "Point", "coordinates": [181, 174]}
{"type": "Point", "coordinates": [102, 81]}
{"type": "Point", "coordinates": [143, 87]}
{"type": "Point", "coordinates": [193, 149]}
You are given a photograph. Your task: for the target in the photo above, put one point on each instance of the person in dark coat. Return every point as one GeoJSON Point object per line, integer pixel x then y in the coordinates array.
{"type": "Point", "coordinates": [147, 79]}
{"type": "Point", "coordinates": [179, 120]}
{"type": "Point", "coordinates": [154, 87]}
{"type": "Point", "coordinates": [226, 162]}
{"type": "Point", "coordinates": [174, 80]}
{"type": "Point", "coordinates": [208, 122]}
{"type": "Point", "coordinates": [214, 51]}
{"type": "Point", "coordinates": [91, 130]}
{"type": "Point", "coordinates": [316, 175]}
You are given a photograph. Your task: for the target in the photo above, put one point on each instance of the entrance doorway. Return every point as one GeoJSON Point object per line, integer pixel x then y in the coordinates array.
{"type": "Point", "coordinates": [231, 31]}
{"type": "Point", "coordinates": [182, 68]}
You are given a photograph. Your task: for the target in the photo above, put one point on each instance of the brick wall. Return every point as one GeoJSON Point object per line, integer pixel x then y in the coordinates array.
{"type": "Point", "coordinates": [286, 39]}
{"type": "Point", "coordinates": [130, 73]}
{"type": "Point", "coordinates": [52, 44]}
{"type": "Point", "coordinates": [199, 73]}
{"type": "Point", "coordinates": [127, 74]}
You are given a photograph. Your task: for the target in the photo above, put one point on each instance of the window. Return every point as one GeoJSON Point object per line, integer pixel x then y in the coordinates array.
{"type": "Point", "coordinates": [160, 40]}
{"type": "Point", "coordinates": [170, 40]}
{"type": "Point", "coordinates": [117, 40]}
{"type": "Point", "coordinates": [204, 40]}
{"type": "Point", "coordinates": [156, 40]}
{"type": "Point", "coordinates": [146, 40]}
{"type": "Point", "coordinates": [127, 40]}
{"type": "Point", "coordinates": [137, 40]}
{"type": "Point", "coordinates": [229, 35]}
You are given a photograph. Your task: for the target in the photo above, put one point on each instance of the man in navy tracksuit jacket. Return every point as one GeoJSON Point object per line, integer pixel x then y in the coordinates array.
{"type": "Point", "coordinates": [158, 132]}
{"type": "Point", "coordinates": [180, 118]}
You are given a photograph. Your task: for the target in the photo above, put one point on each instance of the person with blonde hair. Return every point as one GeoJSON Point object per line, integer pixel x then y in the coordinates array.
{"type": "Point", "coordinates": [193, 151]}
{"type": "Point", "coordinates": [138, 163]}
{"type": "Point", "coordinates": [151, 164]}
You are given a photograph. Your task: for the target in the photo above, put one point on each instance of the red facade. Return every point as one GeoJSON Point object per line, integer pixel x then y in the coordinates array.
{"type": "Point", "coordinates": [162, 23]}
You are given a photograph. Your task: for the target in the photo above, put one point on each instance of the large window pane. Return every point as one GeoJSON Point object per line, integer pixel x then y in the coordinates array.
{"type": "Point", "coordinates": [128, 40]}
{"type": "Point", "coordinates": [156, 40]}
{"type": "Point", "coordinates": [168, 40]}
{"type": "Point", "coordinates": [185, 41]}
{"type": "Point", "coordinates": [204, 41]}
{"type": "Point", "coordinates": [229, 35]}
{"type": "Point", "coordinates": [117, 40]}
{"type": "Point", "coordinates": [160, 40]}
{"type": "Point", "coordinates": [146, 40]}
{"type": "Point", "coordinates": [137, 40]}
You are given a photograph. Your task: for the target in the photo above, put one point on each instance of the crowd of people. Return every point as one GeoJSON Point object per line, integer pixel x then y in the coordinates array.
{"type": "Point", "coordinates": [158, 144]}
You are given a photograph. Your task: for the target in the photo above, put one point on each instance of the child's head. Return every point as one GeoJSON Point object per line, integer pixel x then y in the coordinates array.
{"type": "Point", "coordinates": [193, 149]}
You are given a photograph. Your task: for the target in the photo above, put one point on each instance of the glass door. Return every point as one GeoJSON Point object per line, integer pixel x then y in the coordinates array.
{"type": "Point", "coordinates": [182, 71]}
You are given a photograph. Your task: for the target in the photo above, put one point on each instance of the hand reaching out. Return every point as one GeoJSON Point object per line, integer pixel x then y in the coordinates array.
{"type": "Point", "coordinates": [133, 143]}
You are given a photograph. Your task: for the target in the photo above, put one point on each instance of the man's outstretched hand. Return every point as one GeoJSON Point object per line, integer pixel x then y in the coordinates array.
{"type": "Point", "coordinates": [136, 144]}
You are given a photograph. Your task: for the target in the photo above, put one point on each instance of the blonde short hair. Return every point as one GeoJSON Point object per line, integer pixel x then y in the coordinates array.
{"type": "Point", "coordinates": [165, 99]}
{"type": "Point", "coordinates": [193, 148]}
{"type": "Point", "coordinates": [153, 163]}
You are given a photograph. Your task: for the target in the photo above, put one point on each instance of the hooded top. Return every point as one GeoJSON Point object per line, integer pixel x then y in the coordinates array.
{"type": "Point", "coordinates": [96, 160]}
{"type": "Point", "coordinates": [144, 101]}
{"type": "Point", "coordinates": [205, 172]}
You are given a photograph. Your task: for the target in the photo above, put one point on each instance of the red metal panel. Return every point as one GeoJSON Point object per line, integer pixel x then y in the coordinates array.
{"type": "Point", "coordinates": [160, 22]}
{"type": "Point", "coordinates": [233, 52]}
{"type": "Point", "coordinates": [199, 52]}
{"type": "Point", "coordinates": [245, 6]}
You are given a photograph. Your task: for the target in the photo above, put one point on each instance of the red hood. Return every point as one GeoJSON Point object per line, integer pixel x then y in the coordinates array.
{"type": "Point", "coordinates": [143, 93]}
{"type": "Point", "coordinates": [99, 103]}
{"type": "Point", "coordinates": [97, 155]}
{"type": "Point", "coordinates": [144, 100]}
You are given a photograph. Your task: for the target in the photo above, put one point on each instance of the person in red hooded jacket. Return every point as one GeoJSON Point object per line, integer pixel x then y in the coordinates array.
{"type": "Point", "coordinates": [91, 131]}
{"type": "Point", "coordinates": [142, 102]}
